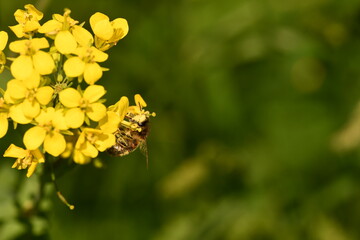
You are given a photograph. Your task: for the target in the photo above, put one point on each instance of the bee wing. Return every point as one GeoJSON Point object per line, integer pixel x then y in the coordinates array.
{"type": "Point", "coordinates": [144, 150]}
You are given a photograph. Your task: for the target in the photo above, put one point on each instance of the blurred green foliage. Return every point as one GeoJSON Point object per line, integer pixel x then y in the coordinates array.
{"type": "Point", "coordinates": [251, 140]}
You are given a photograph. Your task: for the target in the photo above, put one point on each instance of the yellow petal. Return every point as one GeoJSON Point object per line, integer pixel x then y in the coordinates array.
{"type": "Point", "coordinates": [96, 111]}
{"type": "Point", "coordinates": [68, 151]}
{"type": "Point", "coordinates": [3, 125]}
{"type": "Point", "coordinates": [34, 12]}
{"type": "Point", "coordinates": [139, 101]}
{"type": "Point", "coordinates": [105, 141]}
{"type": "Point", "coordinates": [80, 158]}
{"type": "Point", "coordinates": [98, 55]}
{"type": "Point", "coordinates": [34, 137]}
{"type": "Point", "coordinates": [3, 39]}
{"type": "Point", "coordinates": [103, 29]}
{"type": "Point", "coordinates": [44, 94]}
{"type": "Point", "coordinates": [93, 93]}
{"type": "Point", "coordinates": [96, 17]}
{"type": "Point", "coordinates": [16, 89]}
{"type": "Point", "coordinates": [65, 42]}
{"type": "Point", "coordinates": [22, 67]}
{"type": "Point", "coordinates": [30, 108]}
{"type": "Point", "coordinates": [74, 118]}
{"type": "Point", "coordinates": [58, 17]}
{"type": "Point", "coordinates": [19, 46]}
{"type": "Point", "coordinates": [92, 73]}
{"type": "Point", "coordinates": [33, 81]}
{"type": "Point", "coordinates": [18, 30]}
{"type": "Point", "coordinates": [54, 144]}
{"type": "Point", "coordinates": [70, 97]}
{"type": "Point", "coordinates": [89, 150]}
{"type": "Point", "coordinates": [38, 155]}
{"type": "Point", "coordinates": [82, 36]}
{"type": "Point", "coordinates": [122, 107]}
{"type": "Point", "coordinates": [15, 152]}
{"type": "Point", "coordinates": [8, 99]}
{"type": "Point", "coordinates": [46, 115]}
{"type": "Point", "coordinates": [20, 16]}
{"type": "Point", "coordinates": [74, 67]}
{"type": "Point", "coordinates": [51, 27]}
{"type": "Point", "coordinates": [110, 123]}
{"type": "Point", "coordinates": [31, 169]}
{"type": "Point", "coordinates": [120, 23]}
{"type": "Point", "coordinates": [121, 29]}
{"type": "Point", "coordinates": [58, 120]}
{"type": "Point", "coordinates": [17, 115]}
{"type": "Point", "coordinates": [43, 63]}
{"type": "Point", "coordinates": [80, 141]}
{"type": "Point", "coordinates": [30, 26]}
{"type": "Point", "coordinates": [39, 43]}
{"type": "Point", "coordinates": [81, 52]}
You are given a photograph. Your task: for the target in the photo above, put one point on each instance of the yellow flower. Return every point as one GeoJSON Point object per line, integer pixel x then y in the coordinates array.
{"type": "Point", "coordinates": [25, 158]}
{"type": "Point", "coordinates": [83, 105]}
{"type": "Point", "coordinates": [28, 21]}
{"type": "Point", "coordinates": [50, 123]}
{"type": "Point", "coordinates": [86, 64]}
{"type": "Point", "coordinates": [3, 41]}
{"type": "Point", "coordinates": [30, 14]}
{"type": "Point", "coordinates": [90, 142]}
{"type": "Point", "coordinates": [29, 96]}
{"type": "Point", "coordinates": [4, 113]}
{"type": "Point", "coordinates": [31, 58]}
{"type": "Point", "coordinates": [59, 22]}
{"type": "Point", "coordinates": [107, 33]}
{"type": "Point", "coordinates": [65, 32]}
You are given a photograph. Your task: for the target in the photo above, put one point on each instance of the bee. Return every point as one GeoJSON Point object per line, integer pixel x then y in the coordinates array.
{"type": "Point", "coordinates": [128, 140]}
{"type": "Point", "coordinates": [132, 131]}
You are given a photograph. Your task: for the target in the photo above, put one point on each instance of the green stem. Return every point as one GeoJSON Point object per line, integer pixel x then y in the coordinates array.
{"type": "Point", "coordinates": [59, 194]}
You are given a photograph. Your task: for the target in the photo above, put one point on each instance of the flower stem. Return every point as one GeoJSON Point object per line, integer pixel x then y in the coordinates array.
{"type": "Point", "coordinates": [58, 193]}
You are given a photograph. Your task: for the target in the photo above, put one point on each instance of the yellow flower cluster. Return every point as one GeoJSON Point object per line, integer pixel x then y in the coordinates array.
{"type": "Point", "coordinates": [54, 88]}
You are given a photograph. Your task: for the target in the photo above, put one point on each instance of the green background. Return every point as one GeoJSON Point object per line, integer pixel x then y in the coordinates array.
{"type": "Point", "coordinates": [257, 127]}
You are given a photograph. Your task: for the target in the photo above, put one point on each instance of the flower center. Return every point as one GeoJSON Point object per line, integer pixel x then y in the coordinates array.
{"type": "Point", "coordinates": [84, 103]}
{"type": "Point", "coordinates": [30, 50]}
{"type": "Point", "coordinates": [48, 126]}
{"type": "Point", "coordinates": [26, 161]}
{"type": "Point", "coordinates": [88, 56]}
{"type": "Point", "coordinates": [28, 16]}
{"type": "Point", "coordinates": [59, 86]}
{"type": "Point", "coordinates": [31, 94]}
{"type": "Point", "coordinates": [91, 138]}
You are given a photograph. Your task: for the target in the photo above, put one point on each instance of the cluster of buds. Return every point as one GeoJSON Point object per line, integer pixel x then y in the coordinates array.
{"type": "Point", "coordinates": [54, 90]}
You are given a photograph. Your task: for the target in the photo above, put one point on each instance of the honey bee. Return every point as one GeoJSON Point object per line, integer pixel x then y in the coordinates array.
{"type": "Point", "coordinates": [128, 140]}
{"type": "Point", "coordinates": [133, 130]}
